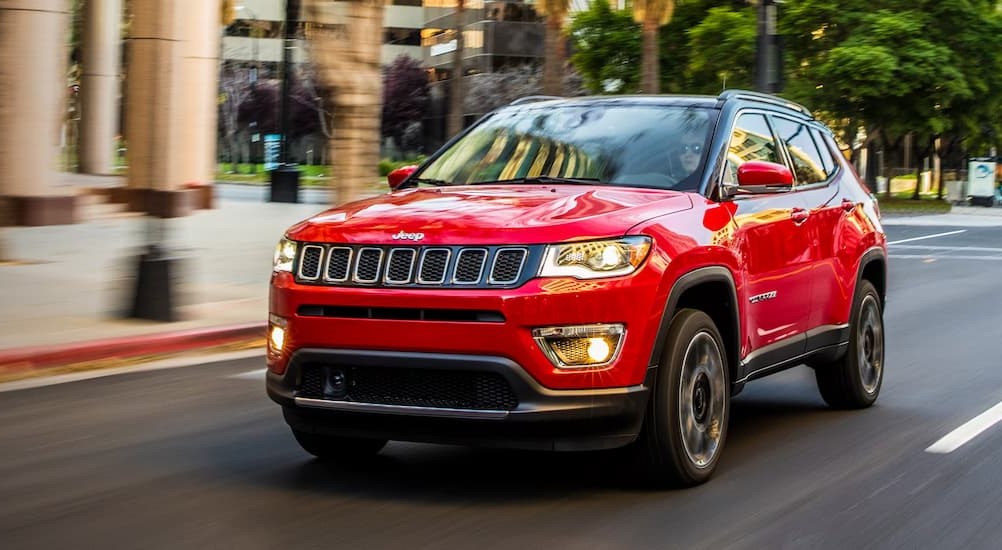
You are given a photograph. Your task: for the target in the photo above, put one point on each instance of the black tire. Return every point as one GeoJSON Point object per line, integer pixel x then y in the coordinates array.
{"type": "Point", "coordinates": [334, 448]}
{"type": "Point", "coordinates": [689, 407]}
{"type": "Point", "coordinates": [854, 380]}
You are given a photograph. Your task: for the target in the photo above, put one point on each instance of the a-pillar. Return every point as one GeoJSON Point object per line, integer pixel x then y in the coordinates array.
{"type": "Point", "coordinates": [200, 73]}
{"type": "Point", "coordinates": [32, 108]}
{"type": "Point", "coordinates": [99, 85]}
{"type": "Point", "coordinates": [155, 94]}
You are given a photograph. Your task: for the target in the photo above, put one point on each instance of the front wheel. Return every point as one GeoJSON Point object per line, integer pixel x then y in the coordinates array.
{"type": "Point", "coordinates": [334, 448]}
{"type": "Point", "coordinates": [687, 415]}
{"type": "Point", "coordinates": [853, 382]}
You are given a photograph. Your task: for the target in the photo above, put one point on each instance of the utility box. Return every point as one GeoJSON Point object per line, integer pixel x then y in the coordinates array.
{"type": "Point", "coordinates": [981, 181]}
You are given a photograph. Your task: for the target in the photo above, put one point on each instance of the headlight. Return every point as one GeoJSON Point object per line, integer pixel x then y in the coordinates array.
{"type": "Point", "coordinates": [285, 255]}
{"type": "Point", "coordinates": [595, 259]}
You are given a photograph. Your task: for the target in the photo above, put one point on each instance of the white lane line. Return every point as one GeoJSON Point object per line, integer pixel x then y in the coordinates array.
{"type": "Point", "coordinates": [927, 237]}
{"type": "Point", "coordinates": [251, 375]}
{"type": "Point", "coordinates": [947, 248]}
{"type": "Point", "coordinates": [953, 440]}
{"type": "Point", "coordinates": [946, 257]}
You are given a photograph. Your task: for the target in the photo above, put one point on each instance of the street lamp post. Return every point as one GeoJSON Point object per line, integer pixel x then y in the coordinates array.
{"type": "Point", "coordinates": [768, 74]}
{"type": "Point", "coordinates": [285, 178]}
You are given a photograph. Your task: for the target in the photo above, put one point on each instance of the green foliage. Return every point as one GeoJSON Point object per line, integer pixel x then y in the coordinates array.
{"type": "Point", "coordinates": [891, 66]}
{"type": "Point", "coordinates": [606, 45]}
{"type": "Point", "coordinates": [721, 46]}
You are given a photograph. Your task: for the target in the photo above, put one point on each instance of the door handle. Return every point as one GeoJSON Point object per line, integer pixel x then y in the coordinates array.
{"type": "Point", "coordinates": [800, 215]}
{"type": "Point", "coordinates": [848, 205]}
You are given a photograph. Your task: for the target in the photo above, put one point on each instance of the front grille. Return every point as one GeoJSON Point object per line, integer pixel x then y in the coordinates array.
{"type": "Point", "coordinates": [408, 387]}
{"type": "Point", "coordinates": [417, 266]}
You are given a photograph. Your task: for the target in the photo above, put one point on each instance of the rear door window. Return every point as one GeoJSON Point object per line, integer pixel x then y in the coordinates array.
{"type": "Point", "coordinates": [808, 166]}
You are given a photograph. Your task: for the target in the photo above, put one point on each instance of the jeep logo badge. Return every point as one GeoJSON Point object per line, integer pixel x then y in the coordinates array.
{"type": "Point", "coordinates": [408, 236]}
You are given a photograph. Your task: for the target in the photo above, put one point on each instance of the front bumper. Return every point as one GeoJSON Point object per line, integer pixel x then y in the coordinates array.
{"type": "Point", "coordinates": [496, 323]}
{"type": "Point", "coordinates": [537, 418]}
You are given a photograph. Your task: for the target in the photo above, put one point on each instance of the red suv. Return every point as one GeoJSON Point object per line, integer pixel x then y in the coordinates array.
{"type": "Point", "coordinates": [578, 274]}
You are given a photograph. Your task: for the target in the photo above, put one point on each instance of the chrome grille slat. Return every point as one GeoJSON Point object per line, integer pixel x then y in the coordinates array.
{"type": "Point", "coordinates": [399, 266]}
{"type": "Point", "coordinates": [309, 263]}
{"type": "Point", "coordinates": [367, 265]}
{"type": "Point", "coordinates": [434, 262]}
{"type": "Point", "coordinates": [415, 266]}
{"type": "Point", "coordinates": [507, 266]}
{"type": "Point", "coordinates": [470, 264]}
{"type": "Point", "coordinates": [338, 264]}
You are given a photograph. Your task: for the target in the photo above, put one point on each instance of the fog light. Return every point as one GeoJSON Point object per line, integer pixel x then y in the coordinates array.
{"type": "Point", "coordinates": [276, 333]}
{"type": "Point", "coordinates": [581, 346]}
{"type": "Point", "coordinates": [599, 350]}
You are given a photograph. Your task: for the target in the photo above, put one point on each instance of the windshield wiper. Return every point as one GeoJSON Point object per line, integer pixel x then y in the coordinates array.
{"type": "Point", "coordinates": [545, 180]}
{"type": "Point", "coordinates": [429, 181]}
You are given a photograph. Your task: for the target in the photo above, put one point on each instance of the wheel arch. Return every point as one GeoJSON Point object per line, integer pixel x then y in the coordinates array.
{"type": "Point", "coordinates": [711, 290]}
{"type": "Point", "coordinates": [873, 268]}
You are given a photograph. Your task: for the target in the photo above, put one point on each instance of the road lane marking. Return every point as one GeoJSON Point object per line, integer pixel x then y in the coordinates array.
{"type": "Point", "coordinates": [250, 375]}
{"type": "Point", "coordinates": [927, 237]}
{"type": "Point", "coordinates": [955, 439]}
{"type": "Point", "coordinates": [950, 257]}
{"type": "Point", "coordinates": [929, 247]}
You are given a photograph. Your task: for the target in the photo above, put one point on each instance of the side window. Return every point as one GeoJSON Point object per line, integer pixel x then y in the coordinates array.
{"type": "Point", "coordinates": [751, 140]}
{"type": "Point", "coordinates": [826, 152]}
{"type": "Point", "coordinates": [807, 163]}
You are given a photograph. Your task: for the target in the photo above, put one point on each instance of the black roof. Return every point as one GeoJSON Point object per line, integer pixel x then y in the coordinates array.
{"type": "Point", "coordinates": [668, 99]}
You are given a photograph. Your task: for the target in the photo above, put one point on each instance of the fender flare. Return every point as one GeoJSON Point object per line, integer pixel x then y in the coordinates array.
{"type": "Point", "coordinates": [716, 274]}
{"type": "Point", "coordinates": [874, 254]}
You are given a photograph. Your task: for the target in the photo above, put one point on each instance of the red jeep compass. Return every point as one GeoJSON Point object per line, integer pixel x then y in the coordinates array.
{"type": "Point", "coordinates": [575, 274]}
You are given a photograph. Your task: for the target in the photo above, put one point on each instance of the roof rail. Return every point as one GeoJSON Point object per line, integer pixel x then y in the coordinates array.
{"type": "Point", "coordinates": [533, 98]}
{"type": "Point", "coordinates": [764, 98]}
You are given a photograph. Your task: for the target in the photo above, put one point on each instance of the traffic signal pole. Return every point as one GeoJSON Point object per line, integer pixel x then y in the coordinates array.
{"type": "Point", "coordinates": [285, 179]}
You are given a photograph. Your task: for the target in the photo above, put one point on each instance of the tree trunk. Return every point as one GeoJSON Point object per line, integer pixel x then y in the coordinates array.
{"type": "Point", "coordinates": [347, 58]}
{"type": "Point", "coordinates": [455, 121]}
{"type": "Point", "coordinates": [553, 73]}
{"type": "Point", "coordinates": [650, 81]}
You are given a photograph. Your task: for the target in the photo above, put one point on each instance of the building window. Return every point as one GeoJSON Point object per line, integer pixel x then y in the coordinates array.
{"type": "Point", "coordinates": [402, 37]}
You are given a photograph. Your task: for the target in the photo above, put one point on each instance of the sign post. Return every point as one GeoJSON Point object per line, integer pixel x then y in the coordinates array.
{"type": "Point", "coordinates": [981, 181]}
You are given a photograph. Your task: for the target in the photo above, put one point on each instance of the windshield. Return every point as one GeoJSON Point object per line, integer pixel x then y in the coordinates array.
{"type": "Point", "coordinates": [658, 146]}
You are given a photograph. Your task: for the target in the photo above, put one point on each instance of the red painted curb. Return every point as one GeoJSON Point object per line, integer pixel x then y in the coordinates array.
{"type": "Point", "coordinates": [41, 357]}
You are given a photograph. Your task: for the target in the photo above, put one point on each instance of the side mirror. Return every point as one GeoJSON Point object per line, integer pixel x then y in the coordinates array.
{"type": "Point", "coordinates": [760, 177]}
{"type": "Point", "coordinates": [396, 177]}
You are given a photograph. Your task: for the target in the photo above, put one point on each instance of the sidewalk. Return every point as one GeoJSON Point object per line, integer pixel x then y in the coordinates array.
{"type": "Point", "coordinates": [63, 295]}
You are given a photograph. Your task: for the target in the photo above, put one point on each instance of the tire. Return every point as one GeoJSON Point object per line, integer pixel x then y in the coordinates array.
{"type": "Point", "coordinates": [854, 380]}
{"type": "Point", "coordinates": [334, 448]}
{"type": "Point", "coordinates": [689, 407]}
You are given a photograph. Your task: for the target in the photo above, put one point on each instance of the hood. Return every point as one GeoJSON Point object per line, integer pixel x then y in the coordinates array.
{"type": "Point", "coordinates": [484, 214]}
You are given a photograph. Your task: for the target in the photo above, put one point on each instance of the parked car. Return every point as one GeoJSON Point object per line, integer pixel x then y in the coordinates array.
{"type": "Point", "coordinates": [580, 274]}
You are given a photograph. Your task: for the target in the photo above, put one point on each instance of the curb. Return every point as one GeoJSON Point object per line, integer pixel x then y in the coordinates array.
{"type": "Point", "coordinates": [36, 360]}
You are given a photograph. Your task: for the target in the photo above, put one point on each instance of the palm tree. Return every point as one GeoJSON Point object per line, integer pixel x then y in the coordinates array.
{"type": "Point", "coordinates": [554, 45]}
{"type": "Point", "coordinates": [455, 120]}
{"type": "Point", "coordinates": [346, 54]}
{"type": "Point", "coordinates": [651, 14]}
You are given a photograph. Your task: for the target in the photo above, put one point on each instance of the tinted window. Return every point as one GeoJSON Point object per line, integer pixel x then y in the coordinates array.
{"type": "Point", "coordinates": [826, 152]}
{"type": "Point", "coordinates": [751, 140]}
{"type": "Point", "coordinates": [807, 165]}
{"type": "Point", "coordinates": [617, 144]}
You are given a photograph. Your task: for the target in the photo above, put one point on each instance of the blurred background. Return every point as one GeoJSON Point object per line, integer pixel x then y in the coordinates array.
{"type": "Point", "coordinates": [174, 96]}
{"type": "Point", "coordinates": [162, 109]}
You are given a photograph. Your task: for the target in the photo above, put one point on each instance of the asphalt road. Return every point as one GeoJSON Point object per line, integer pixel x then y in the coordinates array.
{"type": "Point", "coordinates": [198, 457]}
